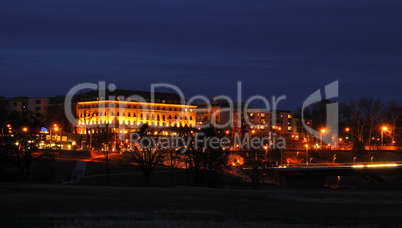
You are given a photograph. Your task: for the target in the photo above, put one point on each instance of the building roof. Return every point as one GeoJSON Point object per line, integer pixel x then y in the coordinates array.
{"type": "Point", "coordinates": [170, 98]}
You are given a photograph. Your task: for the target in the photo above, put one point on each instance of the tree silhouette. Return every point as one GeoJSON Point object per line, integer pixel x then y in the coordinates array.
{"type": "Point", "coordinates": [146, 159]}
{"type": "Point", "coordinates": [103, 139]}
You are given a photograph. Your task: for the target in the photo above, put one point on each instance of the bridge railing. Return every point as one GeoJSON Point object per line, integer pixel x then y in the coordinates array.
{"type": "Point", "coordinates": [344, 164]}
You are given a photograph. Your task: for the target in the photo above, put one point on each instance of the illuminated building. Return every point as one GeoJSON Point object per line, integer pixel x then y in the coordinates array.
{"type": "Point", "coordinates": [126, 109]}
{"type": "Point", "coordinates": [262, 121]}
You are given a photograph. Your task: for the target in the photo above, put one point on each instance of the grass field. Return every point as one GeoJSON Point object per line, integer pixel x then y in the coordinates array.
{"type": "Point", "coordinates": [27, 205]}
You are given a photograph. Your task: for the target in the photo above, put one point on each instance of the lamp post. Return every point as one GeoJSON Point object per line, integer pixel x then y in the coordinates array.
{"type": "Point", "coordinates": [382, 135]}
{"type": "Point", "coordinates": [24, 138]}
{"type": "Point", "coordinates": [322, 132]}
{"type": "Point", "coordinates": [306, 154]}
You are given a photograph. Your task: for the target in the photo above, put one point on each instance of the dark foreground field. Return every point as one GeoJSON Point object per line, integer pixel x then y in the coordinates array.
{"type": "Point", "coordinates": [24, 205]}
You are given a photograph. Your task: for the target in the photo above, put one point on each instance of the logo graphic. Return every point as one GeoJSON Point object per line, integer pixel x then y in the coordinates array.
{"type": "Point", "coordinates": [330, 136]}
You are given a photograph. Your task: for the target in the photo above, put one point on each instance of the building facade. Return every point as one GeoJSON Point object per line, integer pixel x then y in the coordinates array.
{"type": "Point", "coordinates": [132, 109]}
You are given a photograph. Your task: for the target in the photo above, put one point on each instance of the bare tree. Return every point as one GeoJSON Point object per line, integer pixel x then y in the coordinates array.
{"type": "Point", "coordinates": [102, 139]}
{"type": "Point", "coordinates": [255, 167]}
{"type": "Point", "coordinates": [363, 115]}
{"type": "Point", "coordinates": [146, 159]}
{"type": "Point", "coordinates": [391, 114]}
{"type": "Point", "coordinates": [370, 109]}
{"type": "Point", "coordinates": [205, 162]}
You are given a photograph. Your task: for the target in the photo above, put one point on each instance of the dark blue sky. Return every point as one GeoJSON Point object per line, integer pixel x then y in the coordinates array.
{"type": "Point", "coordinates": [204, 47]}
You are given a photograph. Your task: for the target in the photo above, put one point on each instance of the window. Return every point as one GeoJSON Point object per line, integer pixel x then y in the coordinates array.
{"type": "Point", "coordinates": [37, 109]}
{"type": "Point", "coordinates": [37, 101]}
{"type": "Point", "coordinates": [15, 104]}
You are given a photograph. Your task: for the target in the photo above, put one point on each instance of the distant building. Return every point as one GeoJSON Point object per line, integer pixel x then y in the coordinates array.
{"type": "Point", "coordinates": [38, 105]}
{"type": "Point", "coordinates": [17, 104]}
{"type": "Point", "coordinates": [123, 108]}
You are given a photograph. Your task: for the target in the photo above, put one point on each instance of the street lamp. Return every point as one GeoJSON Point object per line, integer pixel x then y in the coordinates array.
{"type": "Point", "coordinates": [382, 135]}
{"type": "Point", "coordinates": [322, 132]}
{"type": "Point", "coordinates": [306, 154]}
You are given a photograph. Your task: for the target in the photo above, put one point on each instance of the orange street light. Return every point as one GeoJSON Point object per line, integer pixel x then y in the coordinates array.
{"type": "Point", "coordinates": [347, 129]}
{"type": "Point", "coordinates": [384, 128]}
{"type": "Point", "coordinates": [306, 154]}
{"type": "Point", "coordinates": [322, 132]}
{"type": "Point", "coordinates": [253, 131]}
{"type": "Point", "coordinates": [25, 129]}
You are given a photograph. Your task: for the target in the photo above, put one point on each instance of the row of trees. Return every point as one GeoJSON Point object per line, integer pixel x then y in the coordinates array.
{"type": "Point", "coordinates": [203, 163]}
{"type": "Point", "coordinates": [364, 119]}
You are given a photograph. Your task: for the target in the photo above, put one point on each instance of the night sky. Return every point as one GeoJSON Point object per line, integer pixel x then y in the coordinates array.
{"type": "Point", "coordinates": [275, 47]}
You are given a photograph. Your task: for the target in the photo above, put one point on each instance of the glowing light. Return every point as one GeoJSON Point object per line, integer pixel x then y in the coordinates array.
{"type": "Point", "coordinates": [347, 129]}
{"type": "Point", "coordinates": [384, 128]}
{"type": "Point", "coordinates": [323, 130]}
{"type": "Point", "coordinates": [374, 166]}
{"type": "Point", "coordinates": [24, 129]}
